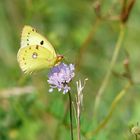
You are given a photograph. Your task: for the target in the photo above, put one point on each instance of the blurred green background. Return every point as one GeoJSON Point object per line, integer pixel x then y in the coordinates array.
{"type": "Point", "coordinates": [27, 110]}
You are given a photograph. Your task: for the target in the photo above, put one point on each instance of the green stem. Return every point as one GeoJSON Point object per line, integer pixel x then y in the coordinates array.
{"type": "Point", "coordinates": [86, 43]}
{"type": "Point", "coordinates": [71, 122]}
{"type": "Point", "coordinates": [108, 74]}
{"type": "Point", "coordinates": [111, 110]}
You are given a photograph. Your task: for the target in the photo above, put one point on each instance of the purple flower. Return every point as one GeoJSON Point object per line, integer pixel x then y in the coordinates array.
{"type": "Point", "coordinates": [60, 76]}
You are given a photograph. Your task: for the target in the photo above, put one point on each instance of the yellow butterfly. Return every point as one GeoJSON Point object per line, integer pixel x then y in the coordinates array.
{"type": "Point", "coordinates": [36, 53]}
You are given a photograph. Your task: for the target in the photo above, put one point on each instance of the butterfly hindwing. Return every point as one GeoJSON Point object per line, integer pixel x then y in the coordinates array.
{"type": "Point", "coordinates": [34, 58]}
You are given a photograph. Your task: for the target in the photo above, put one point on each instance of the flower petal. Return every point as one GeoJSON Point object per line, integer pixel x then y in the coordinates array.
{"type": "Point", "coordinates": [60, 76]}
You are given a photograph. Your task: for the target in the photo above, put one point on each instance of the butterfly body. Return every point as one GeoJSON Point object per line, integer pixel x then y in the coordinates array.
{"type": "Point", "coordinates": [36, 53]}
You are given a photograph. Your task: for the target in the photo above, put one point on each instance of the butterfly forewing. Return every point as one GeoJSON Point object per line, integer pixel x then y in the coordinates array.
{"type": "Point", "coordinates": [30, 37]}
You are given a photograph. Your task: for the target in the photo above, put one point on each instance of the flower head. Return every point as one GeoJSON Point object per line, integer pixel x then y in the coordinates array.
{"type": "Point", "coordinates": [60, 76]}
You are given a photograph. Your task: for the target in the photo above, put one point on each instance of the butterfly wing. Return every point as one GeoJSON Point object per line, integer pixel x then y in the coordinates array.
{"type": "Point", "coordinates": [30, 37]}
{"type": "Point", "coordinates": [36, 52]}
{"type": "Point", "coordinates": [33, 58]}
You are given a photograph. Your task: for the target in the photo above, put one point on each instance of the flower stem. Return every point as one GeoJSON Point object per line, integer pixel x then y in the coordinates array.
{"type": "Point", "coordinates": [86, 43]}
{"type": "Point", "coordinates": [111, 110]}
{"type": "Point", "coordinates": [71, 124]}
{"type": "Point", "coordinates": [78, 120]}
{"type": "Point", "coordinates": [108, 74]}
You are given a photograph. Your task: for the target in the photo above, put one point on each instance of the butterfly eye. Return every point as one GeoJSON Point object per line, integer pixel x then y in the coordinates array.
{"type": "Point", "coordinates": [34, 55]}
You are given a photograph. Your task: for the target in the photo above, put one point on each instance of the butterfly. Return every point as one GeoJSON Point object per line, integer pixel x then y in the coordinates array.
{"type": "Point", "coordinates": [36, 52]}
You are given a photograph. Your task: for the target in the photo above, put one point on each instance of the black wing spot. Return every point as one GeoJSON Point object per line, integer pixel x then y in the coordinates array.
{"type": "Point", "coordinates": [29, 48]}
{"type": "Point", "coordinates": [27, 43]}
{"type": "Point", "coordinates": [37, 47]}
{"type": "Point", "coordinates": [42, 42]}
{"type": "Point", "coordinates": [23, 58]}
